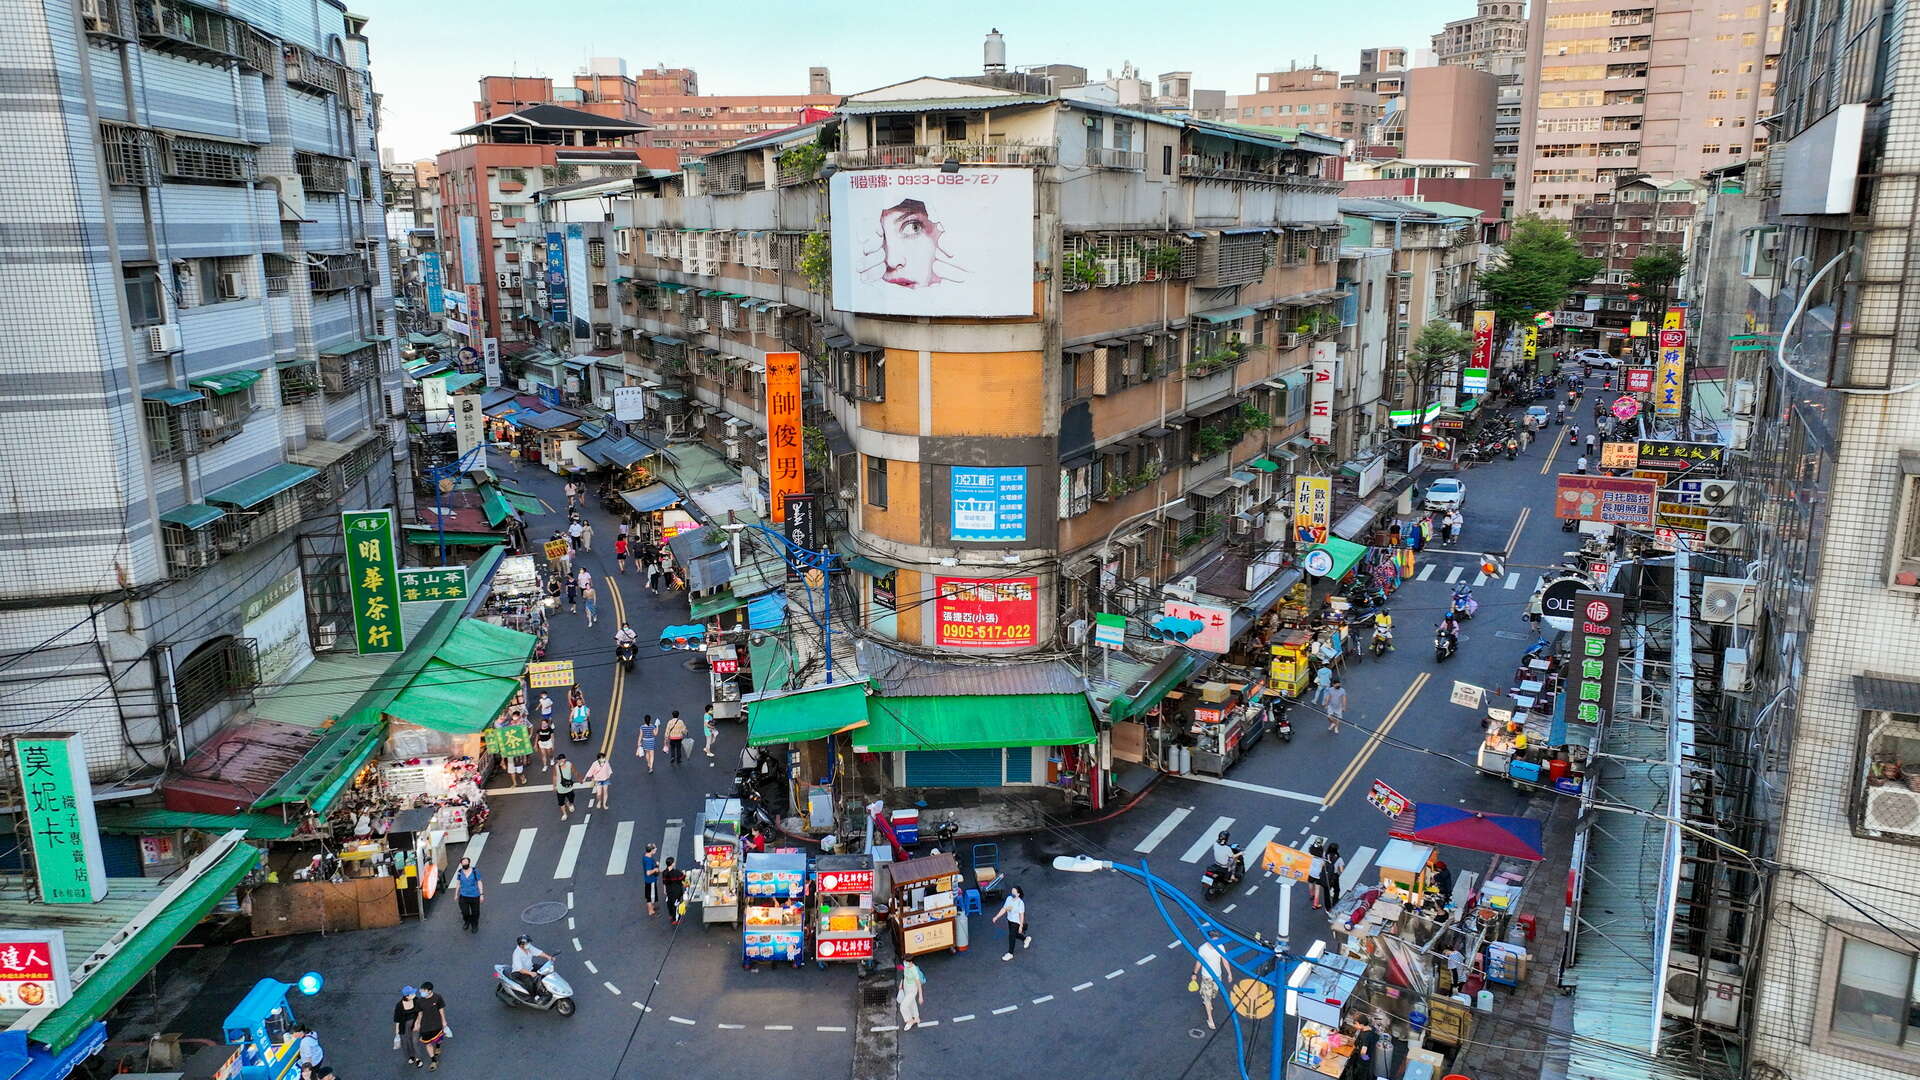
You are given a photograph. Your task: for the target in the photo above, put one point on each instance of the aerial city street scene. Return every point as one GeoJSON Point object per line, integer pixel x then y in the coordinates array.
{"type": "Point", "coordinates": [619, 542]}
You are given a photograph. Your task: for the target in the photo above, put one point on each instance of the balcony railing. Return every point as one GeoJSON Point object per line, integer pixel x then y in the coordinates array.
{"type": "Point", "coordinates": [321, 173]}
{"type": "Point", "coordinates": [1100, 157]}
{"type": "Point", "coordinates": [1196, 167]}
{"type": "Point", "coordinates": [1007, 153]}
{"type": "Point", "coordinates": [339, 374]}
{"type": "Point", "coordinates": [298, 382]}
{"type": "Point", "coordinates": [188, 29]}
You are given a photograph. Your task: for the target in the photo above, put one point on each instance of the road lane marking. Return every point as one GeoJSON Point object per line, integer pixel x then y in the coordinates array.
{"type": "Point", "coordinates": [517, 862]}
{"type": "Point", "coordinates": [963, 1019]}
{"type": "Point", "coordinates": [622, 843]}
{"type": "Point", "coordinates": [1357, 866]}
{"type": "Point", "coordinates": [731, 1027]}
{"type": "Point", "coordinates": [1279, 793]}
{"type": "Point", "coordinates": [682, 1020]}
{"type": "Point", "coordinates": [570, 926]}
{"type": "Point", "coordinates": [1374, 738]}
{"type": "Point", "coordinates": [1519, 523]}
{"type": "Point", "coordinates": [1259, 845]}
{"type": "Point", "coordinates": [1004, 1011]}
{"type": "Point", "coordinates": [1479, 580]}
{"type": "Point", "coordinates": [1083, 986]}
{"type": "Point", "coordinates": [1251, 889]}
{"type": "Point", "coordinates": [884, 1027]}
{"type": "Point", "coordinates": [611, 989]}
{"type": "Point", "coordinates": [570, 853]}
{"type": "Point", "coordinates": [1426, 571]}
{"type": "Point", "coordinates": [1160, 831]}
{"type": "Point", "coordinates": [670, 840]}
{"type": "Point", "coordinates": [1043, 999]}
{"type": "Point", "coordinates": [591, 970]}
{"type": "Point", "coordinates": [1547, 465]}
{"type": "Point", "coordinates": [1145, 960]}
{"type": "Point", "coordinates": [1200, 846]}
{"type": "Point", "coordinates": [929, 1023]}
{"type": "Point", "coordinates": [824, 1027]}
{"type": "Point", "coordinates": [779, 1027]}
{"type": "Point", "coordinates": [1512, 581]}
{"type": "Point", "coordinates": [475, 846]}
{"type": "Point", "coordinates": [618, 697]}
{"type": "Point", "coordinates": [576, 945]}
{"type": "Point", "coordinates": [1453, 575]}
{"type": "Point", "coordinates": [1116, 973]}
{"type": "Point", "coordinates": [1229, 909]}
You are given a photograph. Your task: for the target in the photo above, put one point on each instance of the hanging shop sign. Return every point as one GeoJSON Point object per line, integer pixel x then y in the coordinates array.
{"type": "Point", "coordinates": [435, 277]}
{"type": "Point", "coordinates": [1385, 799]}
{"type": "Point", "coordinates": [1638, 328]}
{"type": "Point", "coordinates": [990, 613]}
{"type": "Point", "coordinates": [1613, 500]}
{"type": "Point", "coordinates": [802, 530]}
{"type": "Point", "coordinates": [1557, 599]}
{"type": "Point", "coordinates": [542, 674]}
{"type": "Point", "coordinates": [556, 279]}
{"type": "Point", "coordinates": [508, 740]}
{"type": "Point", "coordinates": [1320, 393]}
{"type": "Point", "coordinates": [1110, 631]}
{"type": "Point", "coordinates": [1667, 456]}
{"type": "Point", "coordinates": [58, 797]}
{"type": "Point", "coordinates": [469, 250]}
{"type": "Point", "coordinates": [1596, 653]}
{"type": "Point", "coordinates": [1670, 367]}
{"type": "Point", "coordinates": [1473, 378]}
{"type": "Point", "coordinates": [1216, 624]}
{"type": "Point", "coordinates": [490, 361]}
{"type": "Point", "coordinates": [373, 583]}
{"type": "Point", "coordinates": [1529, 343]}
{"type": "Point", "coordinates": [1573, 318]}
{"type": "Point", "coordinates": [988, 504]}
{"type": "Point", "coordinates": [33, 969]}
{"type": "Point", "coordinates": [469, 429]}
{"type": "Point", "coordinates": [630, 404]}
{"type": "Point", "coordinates": [786, 469]}
{"type": "Point", "coordinates": [1639, 380]}
{"type": "Point", "coordinates": [885, 590]}
{"type": "Point", "coordinates": [1317, 562]}
{"type": "Point", "coordinates": [1312, 508]}
{"type": "Point", "coordinates": [556, 550]}
{"type": "Point", "coordinates": [1625, 407]}
{"type": "Point", "coordinates": [420, 584]}
{"type": "Point", "coordinates": [1619, 455]}
{"type": "Point", "coordinates": [1467, 695]}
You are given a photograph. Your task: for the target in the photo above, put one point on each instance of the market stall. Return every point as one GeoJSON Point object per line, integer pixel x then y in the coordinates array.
{"type": "Point", "coordinates": [926, 903]}
{"type": "Point", "coordinates": [1225, 720]}
{"type": "Point", "coordinates": [773, 921]}
{"type": "Point", "coordinates": [719, 892]}
{"type": "Point", "coordinates": [1320, 994]}
{"type": "Point", "coordinates": [843, 908]}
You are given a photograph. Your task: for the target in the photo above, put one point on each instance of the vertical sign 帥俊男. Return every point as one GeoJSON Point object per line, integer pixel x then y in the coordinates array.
{"type": "Point", "coordinates": [988, 504]}
{"type": "Point", "coordinates": [1670, 368]}
{"type": "Point", "coordinates": [557, 279]}
{"type": "Point", "coordinates": [1596, 653]}
{"type": "Point", "coordinates": [373, 581]}
{"type": "Point", "coordinates": [786, 460]}
{"type": "Point", "coordinates": [1320, 393]}
{"type": "Point", "coordinates": [58, 798]}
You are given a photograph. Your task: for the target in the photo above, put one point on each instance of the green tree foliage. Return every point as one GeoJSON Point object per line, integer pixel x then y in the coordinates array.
{"type": "Point", "coordinates": [1540, 266]}
{"type": "Point", "coordinates": [1658, 268]}
{"type": "Point", "coordinates": [1434, 351]}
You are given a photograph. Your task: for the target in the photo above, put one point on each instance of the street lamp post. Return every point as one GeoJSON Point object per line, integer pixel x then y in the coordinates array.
{"type": "Point", "coordinates": [440, 475]}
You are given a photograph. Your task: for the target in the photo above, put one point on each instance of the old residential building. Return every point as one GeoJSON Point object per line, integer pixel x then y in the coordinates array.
{"type": "Point", "coordinates": [1437, 248]}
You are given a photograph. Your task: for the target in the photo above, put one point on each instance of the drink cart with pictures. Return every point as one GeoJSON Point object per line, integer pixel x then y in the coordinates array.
{"type": "Point", "coordinates": [773, 917]}
{"type": "Point", "coordinates": [926, 903]}
{"type": "Point", "coordinates": [843, 909]}
{"type": "Point", "coordinates": [262, 1027]}
{"type": "Point", "coordinates": [1226, 723]}
{"type": "Point", "coordinates": [1289, 670]}
{"type": "Point", "coordinates": [720, 882]}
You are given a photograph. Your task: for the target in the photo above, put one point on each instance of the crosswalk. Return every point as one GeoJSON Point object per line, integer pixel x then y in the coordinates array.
{"type": "Point", "coordinates": [573, 859]}
{"type": "Point", "coordinates": [1511, 581]}
{"type": "Point", "coordinates": [1202, 843]}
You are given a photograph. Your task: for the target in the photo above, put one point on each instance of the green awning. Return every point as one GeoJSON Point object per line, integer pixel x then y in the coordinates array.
{"type": "Point", "coordinates": [193, 515]}
{"type": "Point", "coordinates": [228, 383]}
{"type": "Point", "coordinates": [975, 722]}
{"type": "Point", "coordinates": [523, 502]}
{"type": "Point", "coordinates": [427, 534]}
{"type": "Point", "coordinates": [1176, 672]}
{"type": "Point", "coordinates": [467, 681]}
{"type": "Point", "coordinates": [1467, 406]}
{"type": "Point", "coordinates": [495, 504]}
{"type": "Point", "coordinates": [1345, 554]}
{"type": "Point", "coordinates": [813, 713]}
{"type": "Point", "coordinates": [142, 820]}
{"type": "Point", "coordinates": [458, 382]}
{"type": "Point", "coordinates": [867, 566]}
{"type": "Point", "coordinates": [1224, 314]}
{"type": "Point", "coordinates": [173, 395]}
{"type": "Point", "coordinates": [1263, 465]}
{"type": "Point", "coordinates": [106, 984]}
{"type": "Point", "coordinates": [345, 348]}
{"type": "Point", "coordinates": [263, 485]}
{"type": "Point", "coordinates": [772, 662]}
{"type": "Point", "coordinates": [703, 608]}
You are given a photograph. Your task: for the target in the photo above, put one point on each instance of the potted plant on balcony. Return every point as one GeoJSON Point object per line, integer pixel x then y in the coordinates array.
{"type": "Point", "coordinates": [1209, 442]}
{"type": "Point", "coordinates": [1079, 270]}
{"type": "Point", "coordinates": [1162, 262]}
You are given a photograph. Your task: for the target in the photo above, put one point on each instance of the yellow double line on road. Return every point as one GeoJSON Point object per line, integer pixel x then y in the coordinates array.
{"type": "Point", "coordinates": [1379, 735]}
{"type": "Point", "coordinates": [617, 698]}
{"type": "Point", "coordinates": [1547, 465]}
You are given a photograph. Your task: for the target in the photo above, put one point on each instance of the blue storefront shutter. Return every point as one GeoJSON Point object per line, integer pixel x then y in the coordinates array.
{"type": "Point", "coordinates": [954, 768]}
{"type": "Point", "coordinates": [120, 854]}
{"type": "Point", "coordinates": [1020, 765]}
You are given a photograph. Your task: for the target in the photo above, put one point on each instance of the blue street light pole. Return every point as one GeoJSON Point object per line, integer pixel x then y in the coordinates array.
{"type": "Point", "coordinates": [1270, 964]}
{"type": "Point", "coordinates": [438, 474]}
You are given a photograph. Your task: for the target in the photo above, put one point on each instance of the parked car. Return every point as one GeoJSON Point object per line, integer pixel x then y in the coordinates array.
{"type": "Point", "coordinates": [1596, 358]}
{"type": "Point", "coordinates": [1446, 493]}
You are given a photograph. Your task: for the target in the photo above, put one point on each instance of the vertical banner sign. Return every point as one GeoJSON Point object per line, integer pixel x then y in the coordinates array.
{"type": "Point", "coordinates": [1312, 508]}
{"type": "Point", "coordinates": [59, 803]}
{"type": "Point", "coordinates": [490, 361]}
{"type": "Point", "coordinates": [1596, 652]}
{"type": "Point", "coordinates": [557, 278]}
{"type": "Point", "coordinates": [802, 530]}
{"type": "Point", "coordinates": [786, 471]}
{"type": "Point", "coordinates": [1639, 380]}
{"type": "Point", "coordinates": [469, 428]}
{"type": "Point", "coordinates": [469, 251]}
{"type": "Point", "coordinates": [435, 277]}
{"type": "Point", "coordinates": [577, 288]}
{"type": "Point", "coordinates": [1473, 380]}
{"type": "Point", "coordinates": [1320, 394]}
{"type": "Point", "coordinates": [1529, 343]}
{"type": "Point", "coordinates": [373, 581]}
{"type": "Point", "coordinates": [1670, 373]}
{"type": "Point", "coordinates": [476, 308]}
{"type": "Point", "coordinates": [988, 504]}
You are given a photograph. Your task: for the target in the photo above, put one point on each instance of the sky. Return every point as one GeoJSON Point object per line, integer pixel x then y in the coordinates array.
{"type": "Point", "coordinates": [428, 58]}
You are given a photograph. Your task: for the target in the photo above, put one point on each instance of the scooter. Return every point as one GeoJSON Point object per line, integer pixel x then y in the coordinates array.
{"type": "Point", "coordinates": [942, 832]}
{"type": "Point", "coordinates": [1444, 646]}
{"type": "Point", "coordinates": [1283, 727]}
{"type": "Point", "coordinates": [1217, 878]}
{"type": "Point", "coordinates": [1382, 641]}
{"type": "Point", "coordinates": [1464, 605]}
{"type": "Point", "coordinates": [624, 652]}
{"type": "Point", "coordinates": [555, 992]}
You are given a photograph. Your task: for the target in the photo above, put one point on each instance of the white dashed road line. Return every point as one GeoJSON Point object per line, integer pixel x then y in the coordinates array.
{"type": "Point", "coordinates": [576, 945]}
{"type": "Point", "coordinates": [682, 1020]}
{"type": "Point", "coordinates": [963, 1019]}
{"type": "Point", "coordinates": [611, 989]}
{"type": "Point", "coordinates": [1242, 785]}
{"type": "Point", "coordinates": [1116, 973]}
{"type": "Point", "coordinates": [779, 1027]}
{"type": "Point", "coordinates": [591, 970]}
{"type": "Point", "coordinates": [1145, 960]}
{"type": "Point", "coordinates": [1229, 909]}
{"type": "Point", "coordinates": [1043, 999]}
{"type": "Point", "coordinates": [824, 1027]}
{"type": "Point", "coordinates": [1160, 831]}
{"type": "Point", "coordinates": [731, 1027]}
{"type": "Point", "coordinates": [1004, 1011]}
{"type": "Point", "coordinates": [1083, 986]}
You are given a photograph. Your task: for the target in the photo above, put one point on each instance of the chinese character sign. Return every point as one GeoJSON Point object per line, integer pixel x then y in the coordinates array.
{"type": "Point", "coordinates": [1667, 456]}
{"type": "Point", "coordinates": [63, 838]}
{"type": "Point", "coordinates": [373, 581]}
{"type": "Point", "coordinates": [508, 740]}
{"type": "Point", "coordinates": [1320, 394]}
{"type": "Point", "coordinates": [435, 278]}
{"type": "Point", "coordinates": [1216, 624]}
{"type": "Point", "coordinates": [427, 583]}
{"type": "Point", "coordinates": [991, 613]}
{"type": "Point", "coordinates": [1615, 500]}
{"type": "Point", "coordinates": [490, 361]}
{"type": "Point", "coordinates": [1473, 380]}
{"type": "Point", "coordinates": [786, 461]}
{"type": "Point", "coordinates": [469, 428]}
{"type": "Point", "coordinates": [1670, 366]}
{"type": "Point", "coordinates": [1312, 508]}
{"type": "Point", "coordinates": [1596, 651]}
{"type": "Point", "coordinates": [1639, 380]}
{"type": "Point", "coordinates": [988, 504]}
{"type": "Point", "coordinates": [556, 279]}
{"type": "Point", "coordinates": [33, 969]}
{"type": "Point", "coordinates": [1529, 343]}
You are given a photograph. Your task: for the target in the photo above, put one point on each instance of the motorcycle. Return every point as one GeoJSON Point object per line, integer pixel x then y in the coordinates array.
{"type": "Point", "coordinates": [1382, 641]}
{"type": "Point", "coordinates": [1283, 727]}
{"type": "Point", "coordinates": [1513, 450]}
{"type": "Point", "coordinates": [1568, 525]}
{"type": "Point", "coordinates": [1217, 878]}
{"type": "Point", "coordinates": [555, 992]}
{"type": "Point", "coordinates": [942, 832]}
{"type": "Point", "coordinates": [624, 653]}
{"type": "Point", "coordinates": [1464, 605]}
{"type": "Point", "coordinates": [1444, 646]}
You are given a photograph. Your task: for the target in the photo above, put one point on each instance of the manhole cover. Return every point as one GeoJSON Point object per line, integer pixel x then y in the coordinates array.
{"type": "Point", "coordinates": [546, 911]}
{"type": "Point", "coordinates": [1509, 635]}
{"type": "Point", "coordinates": [1196, 1033]}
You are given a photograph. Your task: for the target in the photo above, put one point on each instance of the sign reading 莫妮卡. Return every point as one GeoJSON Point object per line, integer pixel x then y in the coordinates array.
{"type": "Point", "coordinates": [424, 583]}
{"type": "Point", "coordinates": [373, 581]}
{"type": "Point", "coordinates": [62, 838]}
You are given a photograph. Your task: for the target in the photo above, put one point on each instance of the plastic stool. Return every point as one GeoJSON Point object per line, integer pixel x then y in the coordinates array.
{"type": "Point", "coordinates": [971, 901]}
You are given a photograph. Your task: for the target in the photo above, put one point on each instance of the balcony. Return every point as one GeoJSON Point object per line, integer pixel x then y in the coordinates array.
{"type": "Point", "coordinates": [320, 173]}
{"type": "Point", "coordinates": [348, 366]}
{"type": "Point", "coordinates": [308, 70]}
{"type": "Point", "coordinates": [188, 30]}
{"type": "Point", "coordinates": [335, 273]}
{"type": "Point", "coordinates": [925, 154]}
{"type": "Point", "coordinates": [1100, 157]}
{"type": "Point", "coordinates": [299, 381]}
{"type": "Point", "coordinates": [1199, 167]}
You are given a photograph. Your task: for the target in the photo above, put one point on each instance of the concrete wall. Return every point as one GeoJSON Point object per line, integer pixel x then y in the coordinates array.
{"type": "Point", "coordinates": [1450, 115]}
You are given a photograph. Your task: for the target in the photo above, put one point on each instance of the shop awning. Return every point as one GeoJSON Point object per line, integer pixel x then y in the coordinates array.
{"type": "Point", "coordinates": [228, 383]}
{"type": "Point", "coordinates": [173, 395]}
{"type": "Point", "coordinates": [1507, 835]}
{"type": "Point", "coordinates": [495, 504]}
{"type": "Point", "coordinates": [146, 820]}
{"type": "Point", "coordinates": [702, 608]}
{"type": "Point", "coordinates": [1263, 465]}
{"type": "Point", "coordinates": [651, 497]}
{"type": "Point", "coordinates": [346, 347]}
{"type": "Point", "coordinates": [263, 485]}
{"type": "Point", "coordinates": [427, 534]}
{"type": "Point", "coordinates": [1227, 314]}
{"type": "Point", "coordinates": [1172, 672]}
{"type": "Point", "coordinates": [193, 515]}
{"type": "Point", "coordinates": [1355, 522]}
{"type": "Point", "coordinates": [772, 662]}
{"type": "Point", "coordinates": [617, 450]}
{"type": "Point", "coordinates": [112, 945]}
{"type": "Point", "coordinates": [591, 451]}
{"type": "Point", "coordinates": [976, 722]}
{"type": "Point", "coordinates": [468, 680]}
{"type": "Point", "coordinates": [1467, 406]}
{"type": "Point", "coordinates": [1345, 556]}
{"type": "Point", "coordinates": [867, 566]}
{"type": "Point", "coordinates": [523, 502]}
{"type": "Point", "coordinates": [766, 612]}
{"type": "Point", "coordinates": [802, 715]}
{"type": "Point", "coordinates": [457, 383]}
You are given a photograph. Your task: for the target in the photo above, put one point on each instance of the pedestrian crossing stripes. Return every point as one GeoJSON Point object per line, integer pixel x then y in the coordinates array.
{"type": "Point", "coordinates": [1453, 575]}
{"type": "Point", "coordinates": [1201, 845]}
{"type": "Point", "coordinates": [475, 846]}
{"type": "Point", "coordinates": [517, 862]}
{"type": "Point", "coordinates": [1161, 830]}
{"type": "Point", "coordinates": [1512, 580]}
{"type": "Point", "coordinates": [1259, 844]}
{"type": "Point", "coordinates": [570, 853]}
{"type": "Point", "coordinates": [670, 840]}
{"type": "Point", "coordinates": [622, 844]}
{"type": "Point", "coordinates": [1479, 580]}
{"type": "Point", "coordinates": [1425, 572]}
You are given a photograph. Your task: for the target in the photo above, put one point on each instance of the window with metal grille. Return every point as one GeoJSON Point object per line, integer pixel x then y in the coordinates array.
{"type": "Point", "coordinates": [321, 173]}
{"type": "Point", "coordinates": [172, 430]}
{"type": "Point", "coordinates": [188, 551]}
{"type": "Point", "coordinates": [596, 253]}
{"type": "Point", "coordinates": [1243, 257]}
{"type": "Point", "coordinates": [336, 272]}
{"type": "Point", "coordinates": [209, 160]}
{"type": "Point", "coordinates": [132, 154]}
{"type": "Point", "coordinates": [221, 669]}
{"type": "Point", "coordinates": [308, 70]}
{"type": "Point", "coordinates": [877, 481]}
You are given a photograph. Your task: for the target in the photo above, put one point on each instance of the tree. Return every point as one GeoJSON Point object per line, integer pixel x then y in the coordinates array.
{"type": "Point", "coordinates": [1540, 266]}
{"type": "Point", "coordinates": [1657, 268]}
{"type": "Point", "coordinates": [1433, 353]}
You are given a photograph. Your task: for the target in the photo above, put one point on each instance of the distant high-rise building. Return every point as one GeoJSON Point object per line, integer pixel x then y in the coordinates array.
{"type": "Point", "coordinates": [1311, 99]}
{"type": "Point", "coordinates": [1497, 28]}
{"type": "Point", "coordinates": [1392, 58]}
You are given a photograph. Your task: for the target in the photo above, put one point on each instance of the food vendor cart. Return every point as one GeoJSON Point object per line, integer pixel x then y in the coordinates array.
{"type": "Point", "coordinates": [1403, 867]}
{"type": "Point", "coordinates": [719, 882]}
{"type": "Point", "coordinates": [926, 903]}
{"type": "Point", "coordinates": [773, 918]}
{"type": "Point", "coordinates": [1289, 669]}
{"type": "Point", "coordinates": [843, 908]}
{"type": "Point", "coordinates": [1225, 723]}
{"type": "Point", "coordinates": [262, 1027]}
{"type": "Point", "coordinates": [1320, 994]}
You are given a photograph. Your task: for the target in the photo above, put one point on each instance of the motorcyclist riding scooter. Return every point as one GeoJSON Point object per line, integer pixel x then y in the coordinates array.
{"type": "Point", "coordinates": [625, 646]}
{"type": "Point", "coordinates": [1382, 634]}
{"type": "Point", "coordinates": [1446, 640]}
{"type": "Point", "coordinates": [1228, 867]}
{"type": "Point", "coordinates": [525, 952]}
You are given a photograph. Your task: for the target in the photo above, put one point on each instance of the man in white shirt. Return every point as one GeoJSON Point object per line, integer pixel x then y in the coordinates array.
{"type": "Point", "coordinates": [524, 954]}
{"type": "Point", "coordinates": [1212, 972]}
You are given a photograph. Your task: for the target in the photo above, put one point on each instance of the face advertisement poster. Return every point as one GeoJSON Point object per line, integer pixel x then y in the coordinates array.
{"type": "Point", "coordinates": [927, 242]}
{"type": "Point", "coordinates": [991, 613]}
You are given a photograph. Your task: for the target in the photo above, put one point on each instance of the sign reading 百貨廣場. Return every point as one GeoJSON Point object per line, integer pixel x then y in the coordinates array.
{"type": "Point", "coordinates": [373, 584]}
{"type": "Point", "coordinates": [424, 583]}
{"type": "Point", "coordinates": [786, 459]}
{"type": "Point", "coordinates": [63, 839]}
{"type": "Point", "coordinates": [1596, 652]}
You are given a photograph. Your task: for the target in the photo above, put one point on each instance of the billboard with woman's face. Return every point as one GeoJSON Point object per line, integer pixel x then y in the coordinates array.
{"type": "Point", "coordinates": [926, 242]}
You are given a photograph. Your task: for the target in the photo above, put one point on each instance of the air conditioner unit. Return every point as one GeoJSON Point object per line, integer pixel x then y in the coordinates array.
{"type": "Point", "coordinates": [697, 421]}
{"type": "Point", "coordinates": [498, 212]}
{"type": "Point", "coordinates": [164, 338]}
{"type": "Point", "coordinates": [1740, 401]}
{"type": "Point", "coordinates": [96, 14]}
{"type": "Point", "coordinates": [1736, 676]}
{"type": "Point", "coordinates": [1720, 493]}
{"type": "Point", "coordinates": [1729, 601]}
{"type": "Point", "coordinates": [229, 286]}
{"type": "Point", "coordinates": [327, 634]}
{"type": "Point", "coordinates": [1714, 996]}
{"type": "Point", "coordinates": [731, 448]}
{"type": "Point", "coordinates": [1077, 632]}
{"type": "Point", "coordinates": [1742, 433]}
{"type": "Point", "coordinates": [1892, 809]}
{"type": "Point", "coordinates": [293, 193]}
{"type": "Point", "coordinates": [1109, 273]}
{"type": "Point", "coordinates": [1726, 534]}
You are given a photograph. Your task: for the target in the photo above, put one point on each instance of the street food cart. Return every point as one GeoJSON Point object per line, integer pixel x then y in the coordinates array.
{"type": "Point", "coordinates": [1320, 994]}
{"type": "Point", "coordinates": [262, 1027]}
{"type": "Point", "coordinates": [1226, 722]}
{"type": "Point", "coordinates": [843, 908]}
{"type": "Point", "coordinates": [926, 903]}
{"type": "Point", "coordinates": [720, 882]}
{"type": "Point", "coordinates": [773, 920]}
{"type": "Point", "coordinates": [1403, 867]}
{"type": "Point", "coordinates": [1289, 669]}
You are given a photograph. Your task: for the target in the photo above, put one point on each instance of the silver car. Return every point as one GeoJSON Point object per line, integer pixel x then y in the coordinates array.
{"type": "Point", "coordinates": [1445, 493]}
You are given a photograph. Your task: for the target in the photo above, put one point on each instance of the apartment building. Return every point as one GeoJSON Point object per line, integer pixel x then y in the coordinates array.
{"type": "Point", "coordinates": [1614, 89]}
{"type": "Point", "coordinates": [1447, 114]}
{"type": "Point", "coordinates": [1640, 215]}
{"type": "Point", "coordinates": [200, 192]}
{"type": "Point", "coordinates": [692, 123]}
{"type": "Point", "coordinates": [1436, 249]}
{"type": "Point", "coordinates": [1310, 99]}
{"type": "Point", "coordinates": [1498, 28]}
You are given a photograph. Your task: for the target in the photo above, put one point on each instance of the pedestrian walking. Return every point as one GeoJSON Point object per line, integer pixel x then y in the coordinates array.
{"type": "Point", "coordinates": [599, 774]}
{"type": "Point", "coordinates": [674, 881]}
{"type": "Point", "coordinates": [1589, 443]}
{"type": "Point", "coordinates": [650, 877]}
{"type": "Point", "coordinates": [472, 889]}
{"type": "Point", "coordinates": [626, 528]}
{"type": "Point", "coordinates": [911, 994]}
{"type": "Point", "coordinates": [1581, 465]}
{"type": "Point", "coordinates": [405, 1018]}
{"type": "Point", "coordinates": [575, 530]}
{"type": "Point", "coordinates": [563, 784]}
{"type": "Point", "coordinates": [1336, 706]}
{"type": "Point", "coordinates": [432, 1026]}
{"type": "Point", "coordinates": [1316, 851]}
{"type": "Point", "coordinates": [573, 494]}
{"type": "Point", "coordinates": [653, 578]}
{"type": "Point", "coordinates": [649, 739]}
{"type": "Point", "coordinates": [543, 736]}
{"type": "Point", "coordinates": [1332, 867]}
{"type": "Point", "coordinates": [307, 1052]}
{"type": "Point", "coordinates": [1211, 973]}
{"type": "Point", "coordinates": [676, 739]}
{"type": "Point", "coordinates": [1322, 682]}
{"type": "Point", "coordinates": [590, 599]}
{"type": "Point", "coordinates": [573, 595]}
{"type": "Point", "coordinates": [586, 535]}
{"type": "Point", "coordinates": [1014, 909]}
{"type": "Point", "coordinates": [711, 729]}
{"type": "Point", "coordinates": [620, 551]}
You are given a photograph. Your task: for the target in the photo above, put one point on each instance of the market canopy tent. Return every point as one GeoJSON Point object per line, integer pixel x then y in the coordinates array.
{"type": "Point", "coordinates": [1495, 834]}
{"type": "Point", "coordinates": [813, 713]}
{"type": "Point", "coordinates": [976, 722]}
{"type": "Point", "coordinates": [467, 681]}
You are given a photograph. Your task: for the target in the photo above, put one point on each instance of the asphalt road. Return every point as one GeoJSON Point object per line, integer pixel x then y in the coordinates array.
{"type": "Point", "coordinates": [1101, 990]}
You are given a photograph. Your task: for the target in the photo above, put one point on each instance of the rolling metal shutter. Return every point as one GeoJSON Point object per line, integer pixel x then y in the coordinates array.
{"type": "Point", "coordinates": [954, 768]}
